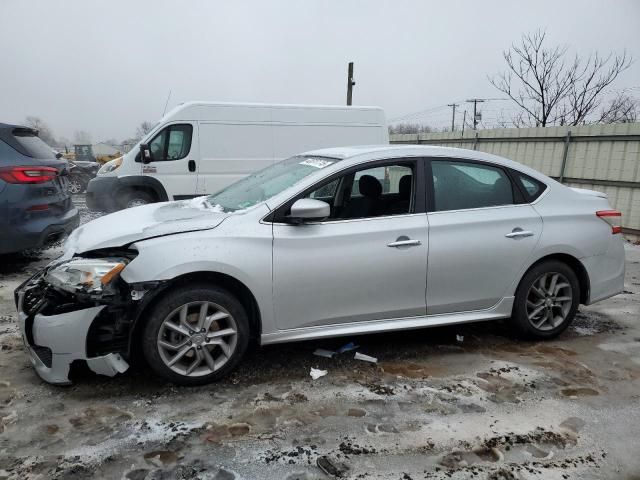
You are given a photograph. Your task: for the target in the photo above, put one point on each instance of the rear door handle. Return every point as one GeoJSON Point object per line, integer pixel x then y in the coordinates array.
{"type": "Point", "coordinates": [192, 165]}
{"type": "Point", "coordinates": [519, 233]}
{"type": "Point", "coordinates": [404, 243]}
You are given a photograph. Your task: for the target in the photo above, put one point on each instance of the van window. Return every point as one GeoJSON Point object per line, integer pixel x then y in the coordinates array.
{"type": "Point", "coordinates": [172, 143]}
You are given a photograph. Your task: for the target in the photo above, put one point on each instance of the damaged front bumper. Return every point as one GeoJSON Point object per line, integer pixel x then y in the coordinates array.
{"type": "Point", "coordinates": [55, 339]}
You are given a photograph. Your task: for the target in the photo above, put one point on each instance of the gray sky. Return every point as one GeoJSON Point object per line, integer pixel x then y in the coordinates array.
{"type": "Point", "coordinates": [105, 66]}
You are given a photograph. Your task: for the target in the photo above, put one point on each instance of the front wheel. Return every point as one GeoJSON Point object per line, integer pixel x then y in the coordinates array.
{"type": "Point", "coordinates": [546, 300]}
{"type": "Point", "coordinates": [76, 184]}
{"type": "Point", "coordinates": [196, 334]}
{"type": "Point", "coordinates": [136, 198]}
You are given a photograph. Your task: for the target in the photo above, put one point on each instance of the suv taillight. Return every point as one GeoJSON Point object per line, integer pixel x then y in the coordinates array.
{"type": "Point", "coordinates": [613, 218]}
{"type": "Point", "coordinates": [28, 174]}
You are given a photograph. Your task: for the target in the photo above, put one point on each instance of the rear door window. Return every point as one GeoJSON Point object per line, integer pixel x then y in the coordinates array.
{"type": "Point", "coordinates": [462, 185]}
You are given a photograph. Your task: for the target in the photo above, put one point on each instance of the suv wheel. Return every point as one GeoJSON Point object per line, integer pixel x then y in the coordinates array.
{"type": "Point", "coordinates": [137, 198]}
{"type": "Point", "coordinates": [76, 185]}
{"type": "Point", "coordinates": [546, 300]}
{"type": "Point", "coordinates": [196, 334]}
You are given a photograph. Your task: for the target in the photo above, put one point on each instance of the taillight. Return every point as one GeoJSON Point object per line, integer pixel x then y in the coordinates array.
{"type": "Point", "coordinates": [28, 174]}
{"type": "Point", "coordinates": [613, 218]}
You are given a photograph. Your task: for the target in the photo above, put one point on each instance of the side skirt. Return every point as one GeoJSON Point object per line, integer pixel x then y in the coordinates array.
{"type": "Point", "coordinates": [501, 310]}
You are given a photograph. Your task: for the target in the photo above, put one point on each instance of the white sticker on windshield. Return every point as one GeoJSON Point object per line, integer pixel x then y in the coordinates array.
{"type": "Point", "coordinates": [316, 162]}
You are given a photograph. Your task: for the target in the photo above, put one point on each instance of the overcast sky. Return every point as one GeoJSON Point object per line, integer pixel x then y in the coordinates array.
{"type": "Point", "coordinates": [105, 66]}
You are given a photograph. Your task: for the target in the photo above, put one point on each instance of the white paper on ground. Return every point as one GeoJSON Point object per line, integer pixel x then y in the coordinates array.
{"type": "Point", "coordinates": [365, 358]}
{"type": "Point", "coordinates": [317, 373]}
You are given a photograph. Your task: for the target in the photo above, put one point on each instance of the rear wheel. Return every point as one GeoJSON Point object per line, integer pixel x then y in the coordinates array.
{"type": "Point", "coordinates": [195, 335]}
{"type": "Point", "coordinates": [546, 300]}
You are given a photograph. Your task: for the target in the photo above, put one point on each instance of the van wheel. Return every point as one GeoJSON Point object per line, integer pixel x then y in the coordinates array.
{"type": "Point", "coordinates": [137, 198]}
{"type": "Point", "coordinates": [196, 334]}
{"type": "Point", "coordinates": [546, 300]}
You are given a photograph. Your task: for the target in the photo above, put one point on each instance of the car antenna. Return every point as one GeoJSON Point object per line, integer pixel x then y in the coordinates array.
{"type": "Point", "coordinates": [166, 103]}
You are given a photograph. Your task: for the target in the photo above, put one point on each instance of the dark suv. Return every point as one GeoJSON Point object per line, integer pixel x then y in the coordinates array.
{"type": "Point", "coordinates": [35, 207]}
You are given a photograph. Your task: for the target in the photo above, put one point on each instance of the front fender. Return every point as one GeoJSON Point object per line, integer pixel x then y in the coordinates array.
{"type": "Point", "coordinates": [233, 251]}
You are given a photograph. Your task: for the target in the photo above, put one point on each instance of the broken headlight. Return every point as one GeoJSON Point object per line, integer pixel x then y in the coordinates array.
{"type": "Point", "coordinates": [88, 275]}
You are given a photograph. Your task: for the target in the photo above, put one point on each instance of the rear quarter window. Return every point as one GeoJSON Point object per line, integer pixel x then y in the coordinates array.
{"type": "Point", "coordinates": [32, 145]}
{"type": "Point", "coordinates": [530, 187]}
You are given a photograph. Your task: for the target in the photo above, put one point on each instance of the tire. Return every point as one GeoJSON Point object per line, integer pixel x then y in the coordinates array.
{"type": "Point", "coordinates": [136, 198]}
{"type": "Point", "coordinates": [538, 312]}
{"type": "Point", "coordinates": [221, 360]}
{"type": "Point", "coordinates": [76, 185]}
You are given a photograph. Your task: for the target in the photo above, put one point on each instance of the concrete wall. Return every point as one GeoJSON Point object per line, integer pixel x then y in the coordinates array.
{"type": "Point", "coordinates": [598, 157]}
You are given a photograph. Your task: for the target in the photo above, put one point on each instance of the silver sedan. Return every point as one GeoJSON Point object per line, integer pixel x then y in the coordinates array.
{"type": "Point", "coordinates": [328, 243]}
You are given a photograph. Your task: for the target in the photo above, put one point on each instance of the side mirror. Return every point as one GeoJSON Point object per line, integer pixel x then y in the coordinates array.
{"type": "Point", "coordinates": [309, 209]}
{"type": "Point", "coordinates": [58, 155]}
{"type": "Point", "coordinates": [145, 153]}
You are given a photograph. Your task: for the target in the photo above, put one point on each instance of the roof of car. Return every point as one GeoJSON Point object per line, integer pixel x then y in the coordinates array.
{"type": "Point", "coordinates": [382, 151]}
{"type": "Point", "coordinates": [9, 125]}
{"type": "Point", "coordinates": [357, 154]}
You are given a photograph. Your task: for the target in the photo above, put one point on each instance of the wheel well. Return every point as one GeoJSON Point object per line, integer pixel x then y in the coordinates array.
{"type": "Point", "coordinates": [142, 188]}
{"type": "Point", "coordinates": [229, 283]}
{"type": "Point", "coordinates": [578, 269]}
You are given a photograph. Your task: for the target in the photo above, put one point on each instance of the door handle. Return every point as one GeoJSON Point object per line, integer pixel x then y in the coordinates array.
{"type": "Point", "coordinates": [192, 165]}
{"type": "Point", "coordinates": [519, 233]}
{"type": "Point", "coordinates": [404, 243]}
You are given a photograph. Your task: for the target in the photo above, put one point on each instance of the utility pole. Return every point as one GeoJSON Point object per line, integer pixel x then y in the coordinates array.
{"type": "Point", "coordinates": [453, 115]}
{"type": "Point", "coordinates": [350, 83]}
{"type": "Point", "coordinates": [464, 120]}
{"type": "Point", "coordinates": [475, 102]}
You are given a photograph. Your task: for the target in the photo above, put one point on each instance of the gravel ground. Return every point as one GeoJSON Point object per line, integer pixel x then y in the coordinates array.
{"type": "Point", "coordinates": [482, 405]}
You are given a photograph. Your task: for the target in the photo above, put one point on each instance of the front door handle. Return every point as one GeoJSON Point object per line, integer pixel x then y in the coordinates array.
{"type": "Point", "coordinates": [192, 165]}
{"type": "Point", "coordinates": [406, 242]}
{"type": "Point", "coordinates": [519, 233]}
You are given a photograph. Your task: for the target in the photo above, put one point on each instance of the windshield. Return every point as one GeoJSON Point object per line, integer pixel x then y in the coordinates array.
{"type": "Point", "coordinates": [266, 183]}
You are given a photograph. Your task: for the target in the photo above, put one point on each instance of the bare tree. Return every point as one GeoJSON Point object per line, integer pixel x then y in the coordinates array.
{"type": "Point", "coordinates": [82, 137]}
{"type": "Point", "coordinates": [621, 109]}
{"type": "Point", "coordinates": [551, 88]}
{"type": "Point", "coordinates": [144, 128]}
{"type": "Point", "coordinates": [44, 132]}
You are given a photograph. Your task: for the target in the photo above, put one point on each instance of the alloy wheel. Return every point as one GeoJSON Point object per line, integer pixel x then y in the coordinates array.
{"type": "Point", "coordinates": [75, 186]}
{"type": "Point", "coordinates": [549, 301]}
{"type": "Point", "coordinates": [197, 338]}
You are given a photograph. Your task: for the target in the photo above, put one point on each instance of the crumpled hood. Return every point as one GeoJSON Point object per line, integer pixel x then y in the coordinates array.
{"type": "Point", "coordinates": [138, 223]}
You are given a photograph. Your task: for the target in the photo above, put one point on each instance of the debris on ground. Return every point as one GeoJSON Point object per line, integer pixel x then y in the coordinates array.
{"type": "Point", "coordinates": [321, 352]}
{"type": "Point", "coordinates": [317, 373]}
{"type": "Point", "coordinates": [331, 467]}
{"type": "Point", "coordinates": [365, 358]}
{"type": "Point", "coordinates": [347, 347]}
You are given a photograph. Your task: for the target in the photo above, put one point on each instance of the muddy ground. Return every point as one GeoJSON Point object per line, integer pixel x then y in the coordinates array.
{"type": "Point", "coordinates": [481, 406]}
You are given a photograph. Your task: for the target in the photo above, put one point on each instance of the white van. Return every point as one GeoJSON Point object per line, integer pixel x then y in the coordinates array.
{"type": "Point", "coordinates": [199, 148]}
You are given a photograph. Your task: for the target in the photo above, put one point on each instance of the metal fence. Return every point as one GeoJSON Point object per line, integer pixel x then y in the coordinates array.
{"type": "Point", "coordinates": [598, 157]}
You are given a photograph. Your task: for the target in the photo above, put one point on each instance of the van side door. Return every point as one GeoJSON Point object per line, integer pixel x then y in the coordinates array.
{"type": "Point", "coordinates": [174, 159]}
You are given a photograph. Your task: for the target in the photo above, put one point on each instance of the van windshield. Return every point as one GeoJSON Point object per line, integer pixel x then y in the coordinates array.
{"type": "Point", "coordinates": [266, 183]}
